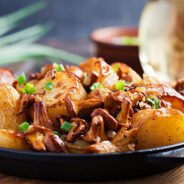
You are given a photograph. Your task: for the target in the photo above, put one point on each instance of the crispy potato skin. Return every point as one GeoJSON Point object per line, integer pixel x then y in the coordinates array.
{"type": "Point", "coordinates": [10, 140]}
{"type": "Point", "coordinates": [105, 74]}
{"type": "Point", "coordinates": [65, 84]}
{"type": "Point", "coordinates": [9, 107]}
{"type": "Point", "coordinates": [158, 127]}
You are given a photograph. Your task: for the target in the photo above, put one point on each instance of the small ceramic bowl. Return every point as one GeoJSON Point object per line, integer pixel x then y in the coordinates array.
{"type": "Point", "coordinates": [104, 46]}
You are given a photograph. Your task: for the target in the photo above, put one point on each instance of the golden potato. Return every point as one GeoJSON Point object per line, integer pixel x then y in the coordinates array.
{"type": "Point", "coordinates": [8, 139]}
{"type": "Point", "coordinates": [65, 84]}
{"type": "Point", "coordinates": [9, 107]}
{"type": "Point", "coordinates": [158, 127]}
{"type": "Point", "coordinates": [105, 74]}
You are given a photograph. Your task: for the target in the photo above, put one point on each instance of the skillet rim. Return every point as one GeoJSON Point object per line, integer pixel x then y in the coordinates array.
{"type": "Point", "coordinates": [7, 152]}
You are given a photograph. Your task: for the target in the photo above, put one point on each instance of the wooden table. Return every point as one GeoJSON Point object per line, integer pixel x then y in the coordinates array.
{"type": "Point", "coordinates": [175, 176]}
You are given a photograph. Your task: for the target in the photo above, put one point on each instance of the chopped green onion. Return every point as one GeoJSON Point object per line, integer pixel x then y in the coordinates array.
{"type": "Point", "coordinates": [58, 67]}
{"type": "Point", "coordinates": [21, 79]}
{"type": "Point", "coordinates": [150, 101]}
{"type": "Point", "coordinates": [120, 85]}
{"type": "Point", "coordinates": [127, 82]}
{"type": "Point", "coordinates": [156, 103]}
{"type": "Point", "coordinates": [153, 101]}
{"type": "Point", "coordinates": [28, 89]}
{"type": "Point", "coordinates": [24, 126]}
{"type": "Point", "coordinates": [49, 85]}
{"type": "Point", "coordinates": [95, 86]}
{"type": "Point", "coordinates": [115, 67]}
{"type": "Point", "coordinates": [66, 126]}
{"type": "Point", "coordinates": [55, 132]}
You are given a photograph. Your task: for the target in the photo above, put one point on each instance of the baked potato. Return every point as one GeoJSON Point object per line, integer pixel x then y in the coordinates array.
{"type": "Point", "coordinates": [9, 105]}
{"type": "Point", "coordinates": [104, 73]}
{"type": "Point", "coordinates": [158, 127]}
{"type": "Point", "coordinates": [65, 84]}
{"type": "Point", "coordinates": [8, 139]}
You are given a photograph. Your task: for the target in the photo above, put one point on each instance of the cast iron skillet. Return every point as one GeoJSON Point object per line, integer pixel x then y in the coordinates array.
{"type": "Point", "coordinates": [83, 167]}
{"type": "Point", "coordinates": [90, 167]}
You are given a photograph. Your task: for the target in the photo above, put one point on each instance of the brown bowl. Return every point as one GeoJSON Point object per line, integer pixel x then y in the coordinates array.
{"type": "Point", "coordinates": [111, 52]}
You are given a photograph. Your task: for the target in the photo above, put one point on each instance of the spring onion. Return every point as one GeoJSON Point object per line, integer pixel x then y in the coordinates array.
{"type": "Point", "coordinates": [153, 101]}
{"type": "Point", "coordinates": [21, 79]}
{"type": "Point", "coordinates": [49, 85]}
{"type": "Point", "coordinates": [55, 133]}
{"type": "Point", "coordinates": [156, 103]}
{"type": "Point", "coordinates": [58, 67]}
{"type": "Point", "coordinates": [95, 86]}
{"type": "Point", "coordinates": [28, 89]}
{"type": "Point", "coordinates": [24, 126]}
{"type": "Point", "coordinates": [120, 85]}
{"type": "Point", "coordinates": [66, 126]}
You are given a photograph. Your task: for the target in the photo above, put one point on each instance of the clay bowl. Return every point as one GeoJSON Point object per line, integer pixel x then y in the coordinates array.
{"type": "Point", "coordinates": [111, 52]}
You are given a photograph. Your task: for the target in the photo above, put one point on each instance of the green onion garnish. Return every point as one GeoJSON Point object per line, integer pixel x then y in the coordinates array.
{"type": "Point", "coordinates": [115, 67]}
{"type": "Point", "coordinates": [55, 132]}
{"type": "Point", "coordinates": [150, 101]}
{"type": "Point", "coordinates": [153, 101]}
{"type": "Point", "coordinates": [24, 126]}
{"type": "Point", "coordinates": [95, 86]}
{"type": "Point", "coordinates": [58, 67]}
{"type": "Point", "coordinates": [66, 126]}
{"type": "Point", "coordinates": [21, 79]}
{"type": "Point", "coordinates": [127, 82]}
{"type": "Point", "coordinates": [120, 85]}
{"type": "Point", "coordinates": [49, 85]}
{"type": "Point", "coordinates": [28, 89]}
{"type": "Point", "coordinates": [156, 103]}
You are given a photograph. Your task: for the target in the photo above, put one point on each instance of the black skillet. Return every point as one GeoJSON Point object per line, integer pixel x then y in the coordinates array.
{"type": "Point", "coordinates": [80, 167]}
{"type": "Point", "coordinates": [90, 167]}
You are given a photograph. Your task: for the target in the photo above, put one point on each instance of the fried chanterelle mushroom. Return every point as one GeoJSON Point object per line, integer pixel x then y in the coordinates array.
{"type": "Point", "coordinates": [91, 108]}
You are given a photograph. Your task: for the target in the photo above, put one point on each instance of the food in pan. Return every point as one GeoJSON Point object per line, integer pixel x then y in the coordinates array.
{"type": "Point", "coordinates": [90, 108]}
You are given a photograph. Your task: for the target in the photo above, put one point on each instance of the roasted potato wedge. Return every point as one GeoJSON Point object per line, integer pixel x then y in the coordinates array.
{"type": "Point", "coordinates": [104, 72]}
{"type": "Point", "coordinates": [9, 107]}
{"type": "Point", "coordinates": [65, 84]}
{"type": "Point", "coordinates": [8, 139]}
{"type": "Point", "coordinates": [158, 127]}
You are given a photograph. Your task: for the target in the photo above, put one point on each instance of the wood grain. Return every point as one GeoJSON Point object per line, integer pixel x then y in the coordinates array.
{"type": "Point", "coordinates": [175, 176]}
